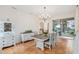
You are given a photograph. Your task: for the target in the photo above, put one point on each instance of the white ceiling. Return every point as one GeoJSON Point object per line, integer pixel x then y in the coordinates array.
{"type": "Point", "coordinates": [37, 9]}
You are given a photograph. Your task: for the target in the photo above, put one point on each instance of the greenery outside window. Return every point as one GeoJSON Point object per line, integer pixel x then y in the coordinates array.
{"type": "Point", "coordinates": [64, 26]}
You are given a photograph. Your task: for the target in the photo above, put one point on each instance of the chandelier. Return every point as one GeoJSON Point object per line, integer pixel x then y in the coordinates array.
{"type": "Point", "coordinates": [44, 15]}
{"type": "Point", "coordinates": [44, 25]}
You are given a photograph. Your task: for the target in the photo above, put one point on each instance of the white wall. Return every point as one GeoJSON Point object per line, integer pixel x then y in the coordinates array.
{"type": "Point", "coordinates": [24, 21]}
{"type": "Point", "coordinates": [77, 19]}
{"type": "Point", "coordinates": [76, 40]}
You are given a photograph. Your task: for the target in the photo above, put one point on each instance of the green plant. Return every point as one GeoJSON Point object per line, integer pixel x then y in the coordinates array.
{"type": "Point", "coordinates": [28, 31]}
{"type": "Point", "coordinates": [70, 32]}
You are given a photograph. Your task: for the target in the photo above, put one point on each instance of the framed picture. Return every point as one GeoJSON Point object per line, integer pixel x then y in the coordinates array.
{"type": "Point", "coordinates": [7, 27]}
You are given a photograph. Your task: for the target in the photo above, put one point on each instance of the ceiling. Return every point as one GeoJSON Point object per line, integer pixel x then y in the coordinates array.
{"type": "Point", "coordinates": [37, 9]}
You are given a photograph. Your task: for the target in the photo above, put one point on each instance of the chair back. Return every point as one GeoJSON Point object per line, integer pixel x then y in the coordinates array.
{"type": "Point", "coordinates": [52, 38]}
{"type": "Point", "coordinates": [55, 37]}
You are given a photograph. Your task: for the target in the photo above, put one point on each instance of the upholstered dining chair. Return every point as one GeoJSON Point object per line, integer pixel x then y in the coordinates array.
{"type": "Point", "coordinates": [51, 40]}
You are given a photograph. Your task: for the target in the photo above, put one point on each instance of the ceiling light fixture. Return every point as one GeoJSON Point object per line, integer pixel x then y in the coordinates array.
{"type": "Point", "coordinates": [44, 16]}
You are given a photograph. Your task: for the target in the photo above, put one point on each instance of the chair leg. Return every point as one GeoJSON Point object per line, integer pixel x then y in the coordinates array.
{"type": "Point", "coordinates": [50, 47]}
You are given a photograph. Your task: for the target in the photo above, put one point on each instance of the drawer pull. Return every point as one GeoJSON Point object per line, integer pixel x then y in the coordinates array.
{"type": "Point", "coordinates": [3, 41]}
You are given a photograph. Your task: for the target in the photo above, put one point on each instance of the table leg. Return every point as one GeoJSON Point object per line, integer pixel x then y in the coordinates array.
{"type": "Point", "coordinates": [42, 46]}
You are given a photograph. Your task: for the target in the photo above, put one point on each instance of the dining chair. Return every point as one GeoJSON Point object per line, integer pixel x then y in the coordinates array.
{"type": "Point", "coordinates": [51, 40]}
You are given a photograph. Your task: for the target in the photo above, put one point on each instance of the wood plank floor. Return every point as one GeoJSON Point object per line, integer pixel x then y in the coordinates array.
{"type": "Point", "coordinates": [29, 48]}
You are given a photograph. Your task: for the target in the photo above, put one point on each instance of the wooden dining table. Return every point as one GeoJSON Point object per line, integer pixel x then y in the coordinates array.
{"type": "Point", "coordinates": [39, 41]}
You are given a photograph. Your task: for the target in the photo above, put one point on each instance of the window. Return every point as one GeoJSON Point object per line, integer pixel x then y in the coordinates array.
{"type": "Point", "coordinates": [64, 26]}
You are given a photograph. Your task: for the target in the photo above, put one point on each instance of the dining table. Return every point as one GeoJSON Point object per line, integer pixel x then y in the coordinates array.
{"type": "Point", "coordinates": [39, 40]}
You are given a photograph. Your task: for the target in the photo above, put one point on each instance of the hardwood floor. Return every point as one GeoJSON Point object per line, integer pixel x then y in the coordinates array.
{"type": "Point", "coordinates": [29, 48]}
